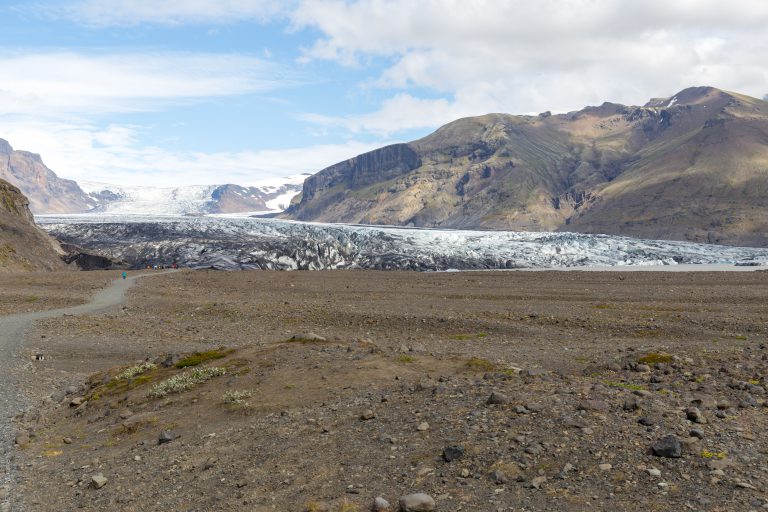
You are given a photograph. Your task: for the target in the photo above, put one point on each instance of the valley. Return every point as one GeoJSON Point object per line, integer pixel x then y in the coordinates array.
{"type": "Point", "coordinates": [487, 391]}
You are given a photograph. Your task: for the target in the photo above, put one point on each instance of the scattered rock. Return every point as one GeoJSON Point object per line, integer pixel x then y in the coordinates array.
{"type": "Point", "coordinates": [98, 481]}
{"type": "Point", "coordinates": [653, 472]}
{"type": "Point", "coordinates": [166, 437]}
{"type": "Point", "coordinates": [694, 414]}
{"type": "Point", "coordinates": [367, 415]}
{"type": "Point", "coordinates": [668, 446]}
{"type": "Point", "coordinates": [631, 403]}
{"type": "Point", "coordinates": [418, 502]}
{"type": "Point", "coordinates": [380, 505]}
{"type": "Point", "coordinates": [498, 477]}
{"type": "Point", "coordinates": [454, 452]}
{"type": "Point", "coordinates": [423, 426]}
{"type": "Point", "coordinates": [605, 467]}
{"type": "Point", "coordinates": [497, 398]}
{"type": "Point", "coordinates": [537, 482]}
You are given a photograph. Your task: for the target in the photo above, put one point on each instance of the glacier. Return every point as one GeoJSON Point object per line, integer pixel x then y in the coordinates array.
{"type": "Point", "coordinates": [230, 243]}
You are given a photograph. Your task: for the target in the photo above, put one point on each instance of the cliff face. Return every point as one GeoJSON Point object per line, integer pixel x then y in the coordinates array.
{"type": "Point", "coordinates": [689, 167]}
{"type": "Point", "coordinates": [47, 192]}
{"type": "Point", "coordinates": [23, 246]}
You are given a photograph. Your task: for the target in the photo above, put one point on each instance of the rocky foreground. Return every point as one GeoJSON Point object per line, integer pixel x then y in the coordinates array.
{"type": "Point", "coordinates": [342, 391]}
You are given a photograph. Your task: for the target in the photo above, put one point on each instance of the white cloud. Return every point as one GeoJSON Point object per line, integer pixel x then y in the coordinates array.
{"type": "Point", "coordinates": [51, 83]}
{"type": "Point", "coordinates": [103, 13]}
{"type": "Point", "coordinates": [522, 56]}
{"type": "Point", "coordinates": [112, 154]}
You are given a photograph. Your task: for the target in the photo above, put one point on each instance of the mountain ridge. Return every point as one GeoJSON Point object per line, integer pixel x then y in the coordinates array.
{"type": "Point", "coordinates": [688, 167]}
{"type": "Point", "coordinates": [23, 246]}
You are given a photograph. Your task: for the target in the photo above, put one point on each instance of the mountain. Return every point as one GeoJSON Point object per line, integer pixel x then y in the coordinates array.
{"type": "Point", "coordinates": [268, 196]}
{"type": "Point", "coordinates": [23, 246]}
{"type": "Point", "coordinates": [47, 193]}
{"type": "Point", "coordinates": [690, 167]}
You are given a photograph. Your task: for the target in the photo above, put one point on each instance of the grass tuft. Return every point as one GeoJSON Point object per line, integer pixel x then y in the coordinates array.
{"type": "Point", "coordinates": [136, 370]}
{"type": "Point", "coordinates": [185, 380]}
{"type": "Point", "coordinates": [201, 357]}
{"type": "Point", "coordinates": [480, 365]}
{"type": "Point", "coordinates": [655, 358]}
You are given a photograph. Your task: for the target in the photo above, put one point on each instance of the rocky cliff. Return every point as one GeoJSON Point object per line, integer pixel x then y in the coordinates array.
{"type": "Point", "coordinates": [690, 167]}
{"type": "Point", "coordinates": [23, 246]}
{"type": "Point", "coordinates": [47, 192]}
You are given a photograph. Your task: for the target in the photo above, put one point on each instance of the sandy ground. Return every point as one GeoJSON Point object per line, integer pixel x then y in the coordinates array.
{"type": "Point", "coordinates": [412, 348]}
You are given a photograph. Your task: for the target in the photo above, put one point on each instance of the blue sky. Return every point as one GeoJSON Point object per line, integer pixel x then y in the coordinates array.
{"type": "Point", "coordinates": [203, 91]}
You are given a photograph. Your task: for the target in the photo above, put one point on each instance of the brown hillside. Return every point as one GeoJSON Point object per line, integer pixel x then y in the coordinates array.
{"type": "Point", "coordinates": [690, 167]}
{"type": "Point", "coordinates": [23, 247]}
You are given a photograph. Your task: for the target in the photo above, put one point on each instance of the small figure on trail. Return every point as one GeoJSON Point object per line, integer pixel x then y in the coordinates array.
{"type": "Point", "coordinates": [124, 274]}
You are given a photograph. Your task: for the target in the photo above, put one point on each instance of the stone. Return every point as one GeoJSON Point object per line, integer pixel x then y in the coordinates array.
{"type": "Point", "coordinates": [695, 432]}
{"type": "Point", "coordinates": [67, 440]}
{"type": "Point", "coordinates": [367, 415]}
{"type": "Point", "coordinates": [499, 477]}
{"type": "Point", "coordinates": [646, 422]}
{"type": "Point", "coordinates": [653, 472]}
{"type": "Point", "coordinates": [307, 336]}
{"type": "Point", "coordinates": [694, 414]}
{"type": "Point", "coordinates": [537, 482]}
{"type": "Point", "coordinates": [125, 414]}
{"type": "Point", "coordinates": [593, 405]}
{"type": "Point", "coordinates": [166, 437]}
{"type": "Point", "coordinates": [22, 440]}
{"type": "Point", "coordinates": [605, 467]}
{"type": "Point", "coordinates": [380, 505]}
{"type": "Point", "coordinates": [423, 426]}
{"type": "Point", "coordinates": [668, 446]}
{"type": "Point", "coordinates": [454, 452]}
{"type": "Point", "coordinates": [642, 368]}
{"type": "Point", "coordinates": [418, 502]}
{"type": "Point", "coordinates": [631, 403]}
{"type": "Point", "coordinates": [690, 444]}
{"type": "Point", "coordinates": [77, 401]}
{"type": "Point", "coordinates": [497, 398]}
{"type": "Point", "coordinates": [98, 481]}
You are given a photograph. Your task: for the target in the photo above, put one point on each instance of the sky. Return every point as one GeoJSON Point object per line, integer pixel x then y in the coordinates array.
{"type": "Point", "coordinates": [174, 92]}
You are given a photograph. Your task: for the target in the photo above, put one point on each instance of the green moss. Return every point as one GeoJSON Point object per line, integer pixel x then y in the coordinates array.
{"type": "Point", "coordinates": [405, 358]}
{"type": "Point", "coordinates": [201, 357]}
{"type": "Point", "coordinates": [713, 455]}
{"type": "Point", "coordinates": [655, 358]}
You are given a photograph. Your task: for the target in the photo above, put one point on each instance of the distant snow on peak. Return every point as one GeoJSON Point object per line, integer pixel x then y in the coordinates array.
{"type": "Point", "coordinates": [264, 196]}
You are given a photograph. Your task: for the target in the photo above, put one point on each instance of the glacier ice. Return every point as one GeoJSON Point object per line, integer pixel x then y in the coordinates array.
{"type": "Point", "coordinates": [253, 243]}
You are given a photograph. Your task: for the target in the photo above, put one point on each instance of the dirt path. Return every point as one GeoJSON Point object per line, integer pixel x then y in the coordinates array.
{"type": "Point", "coordinates": [12, 400]}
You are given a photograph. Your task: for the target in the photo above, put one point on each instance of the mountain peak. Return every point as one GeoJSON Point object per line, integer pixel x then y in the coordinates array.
{"type": "Point", "coordinates": [689, 96]}
{"type": "Point", "coordinates": [5, 147]}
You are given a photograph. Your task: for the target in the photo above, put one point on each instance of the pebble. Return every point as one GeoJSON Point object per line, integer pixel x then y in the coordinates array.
{"type": "Point", "coordinates": [418, 502]}
{"type": "Point", "coordinates": [166, 437]}
{"type": "Point", "coordinates": [653, 472]}
{"type": "Point", "coordinates": [497, 398]}
{"type": "Point", "coordinates": [380, 505]}
{"type": "Point", "coordinates": [423, 426]}
{"type": "Point", "coordinates": [499, 477]}
{"type": "Point", "coordinates": [605, 467]}
{"type": "Point", "coordinates": [367, 415]}
{"type": "Point", "coordinates": [694, 414]}
{"type": "Point", "coordinates": [537, 482]}
{"type": "Point", "coordinates": [98, 481]}
{"type": "Point", "coordinates": [454, 452]}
